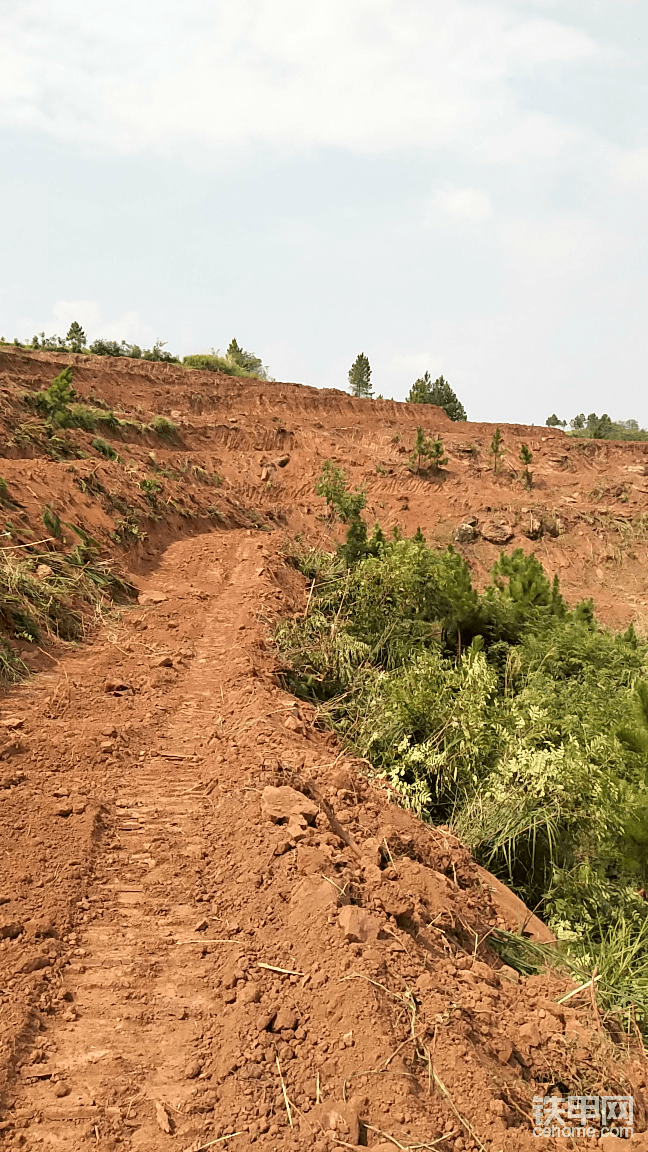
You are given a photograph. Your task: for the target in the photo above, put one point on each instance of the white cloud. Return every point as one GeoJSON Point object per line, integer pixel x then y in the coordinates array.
{"type": "Point", "coordinates": [129, 326]}
{"type": "Point", "coordinates": [416, 363]}
{"type": "Point", "coordinates": [364, 75]}
{"type": "Point", "coordinates": [460, 203]}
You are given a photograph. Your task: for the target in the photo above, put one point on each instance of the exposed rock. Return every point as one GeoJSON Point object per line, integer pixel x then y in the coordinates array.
{"type": "Point", "coordinates": [11, 931]}
{"type": "Point", "coordinates": [280, 804]}
{"type": "Point", "coordinates": [357, 925]}
{"type": "Point", "coordinates": [314, 894]}
{"type": "Point", "coordinates": [250, 993]}
{"type": "Point", "coordinates": [286, 1018]}
{"type": "Point", "coordinates": [163, 1118]}
{"type": "Point", "coordinates": [532, 527]}
{"type": "Point", "coordinates": [529, 1033]}
{"type": "Point", "coordinates": [340, 1119]}
{"type": "Point", "coordinates": [497, 532]}
{"type": "Point", "coordinates": [465, 533]}
{"type": "Point", "coordinates": [152, 597]}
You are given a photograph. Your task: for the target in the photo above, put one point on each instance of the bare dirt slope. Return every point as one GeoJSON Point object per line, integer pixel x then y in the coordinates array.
{"type": "Point", "coordinates": [188, 954]}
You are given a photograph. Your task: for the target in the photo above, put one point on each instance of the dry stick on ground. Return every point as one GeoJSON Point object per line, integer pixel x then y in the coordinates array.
{"type": "Point", "coordinates": [406, 1147]}
{"type": "Point", "coordinates": [284, 971]}
{"type": "Point", "coordinates": [208, 940]}
{"type": "Point", "coordinates": [211, 1143]}
{"type": "Point", "coordinates": [285, 1094]}
{"type": "Point", "coordinates": [581, 988]}
{"type": "Point", "coordinates": [336, 827]}
{"type": "Point", "coordinates": [597, 1017]}
{"type": "Point", "coordinates": [462, 1119]}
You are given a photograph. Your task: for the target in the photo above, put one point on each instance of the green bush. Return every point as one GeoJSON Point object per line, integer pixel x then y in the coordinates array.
{"type": "Point", "coordinates": [521, 722]}
{"type": "Point", "coordinates": [163, 426]}
{"type": "Point", "coordinates": [208, 362]}
{"type": "Point", "coordinates": [105, 449]}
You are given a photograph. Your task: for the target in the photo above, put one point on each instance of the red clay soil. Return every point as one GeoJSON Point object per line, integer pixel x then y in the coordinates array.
{"type": "Point", "coordinates": [213, 924]}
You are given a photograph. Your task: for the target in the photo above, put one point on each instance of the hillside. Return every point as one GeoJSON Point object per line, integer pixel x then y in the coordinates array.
{"type": "Point", "coordinates": [214, 929]}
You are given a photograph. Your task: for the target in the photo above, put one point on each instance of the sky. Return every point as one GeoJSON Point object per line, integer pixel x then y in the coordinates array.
{"type": "Point", "coordinates": [457, 186]}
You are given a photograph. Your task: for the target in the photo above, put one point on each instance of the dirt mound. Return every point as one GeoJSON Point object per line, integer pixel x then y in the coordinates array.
{"type": "Point", "coordinates": [214, 929]}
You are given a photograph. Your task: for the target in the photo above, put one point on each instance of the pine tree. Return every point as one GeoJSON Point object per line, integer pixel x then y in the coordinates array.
{"type": "Point", "coordinates": [526, 458]}
{"type": "Point", "coordinates": [246, 360]}
{"type": "Point", "coordinates": [360, 377]}
{"type": "Point", "coordinates": [427, 450]}
{"type": "Point", "coordinates": [439, 392]}
{"type": "Point", "coordinates": [421, 450]}
{"type": "Point", "coordinates": [553, 422]}
{"type": "Point", "coordinates": [76, 337]}
{"type": "Point", "coordinates": [496, 448]}
{"type": "Point", "coordinates": [437, 458]}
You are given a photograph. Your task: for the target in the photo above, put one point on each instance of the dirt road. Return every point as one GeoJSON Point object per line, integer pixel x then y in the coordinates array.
{"type": "Point", "coordinates": [201, 957]}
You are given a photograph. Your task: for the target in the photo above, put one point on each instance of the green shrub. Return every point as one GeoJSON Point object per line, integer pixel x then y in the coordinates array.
{"type": "Point", "coordinates": [163, 426]}
{"type": "Point", "coordinates": [105, 449]}
{"type": "Point", "coordinates": [208, 362]}
{"type": "Point", "coordinates": [519, 721]}
{"type": "Point", "coordinates": [54, 401]}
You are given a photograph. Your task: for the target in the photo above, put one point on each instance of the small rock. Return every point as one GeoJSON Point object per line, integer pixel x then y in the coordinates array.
{"type": "Point", "coordinates": [35, 964]}
{"type": "Point", "coordinates": [498, 1108]}
{"type": "Point", "coordinates": [117, 688]}
{"type": "Point", "coordinates": [162, 662]}
{"type": "Point", "coordinates": [286, 1018]}
{"type": "Point", "coordinates": [497, 532]}
{"type": "Point", "coordinates": [163, 1118]}
{"type": "Point", "coordinates": [43, 571]}
{"type": "Point", "coordinates": [340, 1119]}
{"type": "Point", "coordinates": [250, 994]}
{"type": "Point", "coordinates": [357, 925]}
{"type": "Point", "coordinates": [152, 597]}
{"type": "Point", "coordinates": [394, 901]}
{"type": "Point", "coordinates": [110, 732]}
{"type": "Point", "coordinates": [530, 1034]}
{"type": "Point", "coordinates": [371, 851]}
{"type": "Point", "coordinates": [504, 1051]}
{"type": "Point", "coordinates": [532, 528]}
{"type": "Point", "coordinates": [13, 722]}
{"type": "Point", "coordinates": [508, 973]}
{"type": "Point", "coordinates": [107, 747]}
{"type": "Point", "coordinates": [465, 533]}
{"type": "Point", "coordinates": [281, 461]}
{"type": "Point", "coordinates": [282, 845]}
{"type": "Point", "coordinates": [42, 929]}
{"type": "Point", "coordinates": [192, 1070]}
{"type": "Point", "coordinates": [281, 804]}
{"type": "Point", "coordinates": [62, 1089]}
{"type": "Point", "coordinates": [11, 931]}
{"type": "Point", "coordinates": [264, 1021]}
{"type": "Point", "coordinates": [201, 926]}
{"type": "Point", "coordinates": [64, 809]}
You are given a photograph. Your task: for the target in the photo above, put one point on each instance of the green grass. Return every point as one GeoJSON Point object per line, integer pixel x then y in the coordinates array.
{"type": "Point", "coordinates": [104, 448]}
{"type": "Point", "coordinates": [71, 593]}
{"type": "Point", "coordinates": [503, 713]}
{"type": "Point", "coordinates": [206, 362]}
{"type": "Point", "coordinates": [163, 426]}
